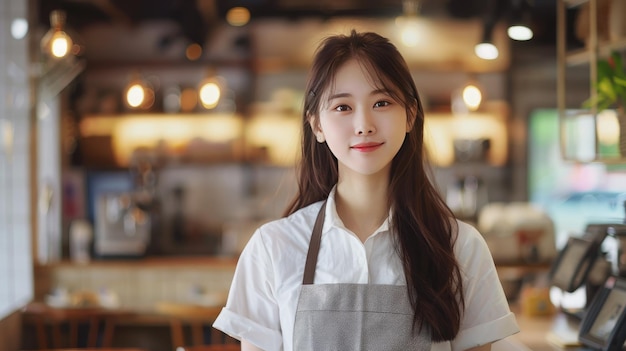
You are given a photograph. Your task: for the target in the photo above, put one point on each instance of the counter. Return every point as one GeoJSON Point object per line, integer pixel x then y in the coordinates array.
{"type": "Point", "coordinates": [145, 284]}
{"type": "Point", "coordinates": [150, 328]}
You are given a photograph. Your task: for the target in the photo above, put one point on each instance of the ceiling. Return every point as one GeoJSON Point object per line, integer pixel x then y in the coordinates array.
{"type": "Point", "coordinates": [172, 21]}
{"type": "Point", "coordinates": [195, 17]}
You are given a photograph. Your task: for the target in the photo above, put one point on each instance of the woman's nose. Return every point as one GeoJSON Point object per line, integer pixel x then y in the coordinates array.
{"type": "Point", "coordinates": [364, 124]}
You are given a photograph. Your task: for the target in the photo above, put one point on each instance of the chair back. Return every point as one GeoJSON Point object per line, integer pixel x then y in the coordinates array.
{"type": "Point", "coordinates": [100, 349]}
{"type": "Point", "coordinates": [225, 347]}
{"type": "Point", "coordinates": [59, 328]}
{"type": "Point", "coordinates": [197, 319]}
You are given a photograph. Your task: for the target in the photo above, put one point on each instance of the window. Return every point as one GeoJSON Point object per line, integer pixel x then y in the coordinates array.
{"type": "Point", "coordinates": [16, 281]}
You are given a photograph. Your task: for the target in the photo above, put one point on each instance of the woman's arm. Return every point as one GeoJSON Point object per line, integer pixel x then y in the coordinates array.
{"type": "Point", "coordinates": [246, 346]}
{"type": "Point", "coordinates": [479, 348]}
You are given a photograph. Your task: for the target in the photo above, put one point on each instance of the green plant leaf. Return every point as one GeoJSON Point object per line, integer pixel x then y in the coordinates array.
{"type": "Point", "coordinates": [604, 70]}
{"type": "Point", "coordinates": [606, 88]}
{"type": "Point", "coordinates": [610, 85]}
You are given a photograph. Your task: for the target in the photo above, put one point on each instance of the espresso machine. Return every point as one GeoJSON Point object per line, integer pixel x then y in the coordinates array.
{"type": "Point", "coordinates": [122, 228]}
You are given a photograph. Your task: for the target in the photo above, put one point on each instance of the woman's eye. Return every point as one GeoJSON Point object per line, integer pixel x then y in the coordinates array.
{"type": "Point", "coordinates": [342, 108]}
{"type": "Point", "coordinates": [382, 104]}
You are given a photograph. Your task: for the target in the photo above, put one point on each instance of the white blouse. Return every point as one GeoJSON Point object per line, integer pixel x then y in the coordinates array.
{"type": "Point", "coordinates": [263, 297]}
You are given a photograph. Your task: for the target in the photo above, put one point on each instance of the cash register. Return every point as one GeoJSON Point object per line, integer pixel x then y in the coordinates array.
{"type": "Point", "coordinates": [602, 322]}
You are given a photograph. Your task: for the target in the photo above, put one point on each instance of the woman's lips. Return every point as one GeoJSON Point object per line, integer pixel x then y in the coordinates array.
{"type": "Point", "coordinates": [366, 147]}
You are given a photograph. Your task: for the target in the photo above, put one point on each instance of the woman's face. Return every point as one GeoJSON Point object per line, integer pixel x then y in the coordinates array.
{"type": "Point", "coordinates": [362, 124]}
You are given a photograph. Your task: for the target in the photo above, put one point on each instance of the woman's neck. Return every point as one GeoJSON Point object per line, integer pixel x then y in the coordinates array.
{"type": "Point", "coordinates": [362, 204]}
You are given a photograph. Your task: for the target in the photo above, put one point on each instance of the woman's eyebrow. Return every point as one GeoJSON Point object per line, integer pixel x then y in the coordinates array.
{"type": "Point", "coordinates": [338, 95]}
{"type": "Point", "coordinates": [373, 92]}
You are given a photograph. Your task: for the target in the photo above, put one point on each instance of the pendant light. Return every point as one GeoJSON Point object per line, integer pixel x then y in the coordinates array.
{"type": "Point", "coordinates": [486, 50]}
{"type": "Point", "coordinates": [520, 25]}
{"type": "Point", "coordinates": [210, 90]}
{"type": "Point", "coordinates": [56, 42]}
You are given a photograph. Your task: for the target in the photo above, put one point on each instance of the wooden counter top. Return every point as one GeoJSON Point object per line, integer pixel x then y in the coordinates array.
{"type": "Point", "coordinates": [149, 262]}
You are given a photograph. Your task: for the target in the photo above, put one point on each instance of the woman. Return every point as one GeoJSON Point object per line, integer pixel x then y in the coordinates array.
{"type": "Point", "coordinates": [368, 257]}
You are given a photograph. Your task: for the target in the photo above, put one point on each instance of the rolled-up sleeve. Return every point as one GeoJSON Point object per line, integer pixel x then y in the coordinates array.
{"type": "Point", "coordinates": [251, 311]}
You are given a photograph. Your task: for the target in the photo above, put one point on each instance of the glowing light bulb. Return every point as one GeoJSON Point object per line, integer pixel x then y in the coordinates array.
{"type": "Point", "coordinates": [60, 44]}
{"type": "Point", "coordinates": [135, 95]}
{"type": "Point", "coordinates": [519, 32]}
{"type": "Point", "coordinates": [472, 97]}
{"type": "Point", "coordinates": [210, 95]}
{"type": "Point", "coordinates": [486, 51]}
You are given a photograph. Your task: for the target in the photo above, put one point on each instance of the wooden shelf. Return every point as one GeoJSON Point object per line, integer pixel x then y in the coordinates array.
{"type": "Point", "coordinates": [583, 56]}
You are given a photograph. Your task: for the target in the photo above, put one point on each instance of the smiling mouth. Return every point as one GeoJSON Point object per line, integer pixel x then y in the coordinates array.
{"type": "Point", "coordinates": [366, 147]}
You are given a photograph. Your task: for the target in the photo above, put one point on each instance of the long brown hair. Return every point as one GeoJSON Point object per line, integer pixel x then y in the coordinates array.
{"type": "Point", "coordinates": [423, 224]}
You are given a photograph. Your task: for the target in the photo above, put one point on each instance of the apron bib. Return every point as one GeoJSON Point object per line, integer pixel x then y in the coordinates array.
{"type": "Point", "coordinates": [346, 317]}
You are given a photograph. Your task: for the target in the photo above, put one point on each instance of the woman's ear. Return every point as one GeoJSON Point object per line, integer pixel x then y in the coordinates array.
{"type": "Point", "coordinates": [316, 128]}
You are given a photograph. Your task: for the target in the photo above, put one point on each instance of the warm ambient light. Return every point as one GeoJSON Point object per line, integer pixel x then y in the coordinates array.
{"type": "Point", "coordinates": [135, 95]}
{"type": "Point", "coordinates": [486, 51]}
{"type": "Point", "coordinates": [209, 95]}
{"type": "Point", "coordinates": [139, 94]}
{"type": "Point", "coordinates": [176, 131]}
{"type": "Point", "coordinates": [440, 131]}
{"type": "Point", "coordinates": [238, 16]}
{"type": "Point", "coordinates": [410, 30]}
{"type": "Point", "coordinates": [472, 97]}
{"type": "Point", "coordinates": [193, 51]}
{"type": "Point", "coordinates": [409, 24]}
{"type": "Point", "coordinates": [56, 42]}
{"type": "Point", "coordinates": [521, 20]}
{"type": "Point", "coordinates": [6, 136]}
{"type": "Point", "coordinates": [520, 32]}
{"type": "Point", "coordinates": [608, 128]}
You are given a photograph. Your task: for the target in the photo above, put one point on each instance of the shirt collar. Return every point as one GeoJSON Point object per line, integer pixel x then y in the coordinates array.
{"type": "Point", "coordinates": [332, 218]}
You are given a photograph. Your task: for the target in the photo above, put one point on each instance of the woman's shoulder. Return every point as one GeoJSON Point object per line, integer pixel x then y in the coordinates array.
{"type": "Point", "coordinates": [302, 217]}
{"type": "Point", "coordinates": [468, 241]}
{"type": "Point", "coordinates": [296, 226]}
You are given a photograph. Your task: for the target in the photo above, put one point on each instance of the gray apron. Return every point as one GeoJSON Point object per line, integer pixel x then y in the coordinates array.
{"type": "Point", "coordinates": [348, 317]}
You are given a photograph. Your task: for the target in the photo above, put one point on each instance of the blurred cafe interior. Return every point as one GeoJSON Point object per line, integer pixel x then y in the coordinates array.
{"type": "Point", "coordinates": [142, 143]}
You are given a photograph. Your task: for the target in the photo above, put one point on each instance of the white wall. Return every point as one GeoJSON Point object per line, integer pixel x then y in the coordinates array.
{"type": "Point", "coordinates": [16, 276]}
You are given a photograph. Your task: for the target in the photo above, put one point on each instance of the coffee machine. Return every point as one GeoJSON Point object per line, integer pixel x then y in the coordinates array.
{"type": "Point", "coordinates": [122, 228]}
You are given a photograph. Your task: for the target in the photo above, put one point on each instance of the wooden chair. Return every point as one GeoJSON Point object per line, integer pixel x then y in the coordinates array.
{"type": "Point", "coordinates": [100, 349]}
{"type": "Point", "coordinates": [196, 317]}
{"type": "Point", "coordinates": [44, 317]}
{"type": "Point", "coordinates": [225, 347]}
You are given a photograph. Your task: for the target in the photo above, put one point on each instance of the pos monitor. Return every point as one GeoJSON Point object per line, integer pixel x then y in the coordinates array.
{"type": "Point", "coordinates": [604, 324]}
{"type": "Point", "coordinates": [569, 271]}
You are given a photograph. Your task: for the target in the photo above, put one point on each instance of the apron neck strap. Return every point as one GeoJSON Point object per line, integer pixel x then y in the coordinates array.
{"type": "Point", "coordinates": [314, 247]}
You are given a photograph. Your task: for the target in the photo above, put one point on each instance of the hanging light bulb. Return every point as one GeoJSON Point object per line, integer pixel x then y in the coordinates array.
{"type": "Point", "coordinates": [139, 94]}
{"type": "Point", "coordinates": [56, 42]}
{"type": "Point", "coordinates": [467, 98]}
{"type": "Point", "coordinates": [519, 32]}
{"type": "Point", "coordinates": [210, 90]}
{"type": "Point", "coordinates": [409, 24]}
{"type": "Point", "coordinates": [210, 95]}
{"type": "Point", "coordinates": [486, 50]}
{"type": "Point", "coordinates": [135, 95]}
{"type": "Point", "coordinates": [520, 29]}
{"type": "Point", "coordinates": [472, 97]}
